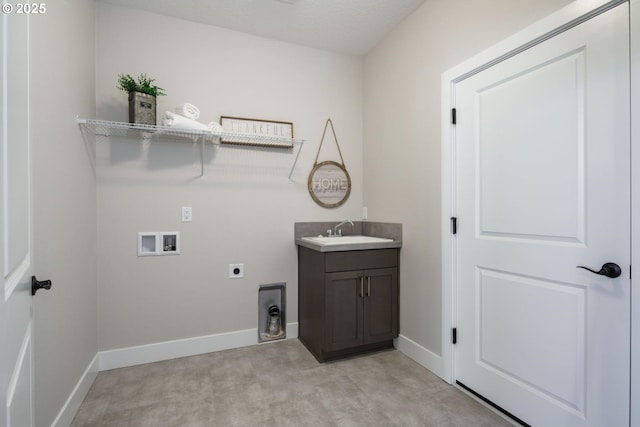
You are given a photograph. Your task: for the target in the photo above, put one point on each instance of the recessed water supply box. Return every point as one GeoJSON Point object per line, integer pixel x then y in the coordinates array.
{"type": "Point", "coordinates": [272, 309]}
{"type": "Point", "coordinates": [170, 243]}
{"type": "Point", "coordinates": [159, 243]}
{"type": "Point", "coordinates": [147, 244]}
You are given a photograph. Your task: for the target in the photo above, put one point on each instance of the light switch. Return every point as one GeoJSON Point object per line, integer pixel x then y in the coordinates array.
{"type": "Point", "coordinates": [187, 214]}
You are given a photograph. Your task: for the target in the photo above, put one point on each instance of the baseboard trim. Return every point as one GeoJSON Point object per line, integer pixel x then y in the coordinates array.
{"type": "Point", "coordinates": [138, 355]}
{"type": "Point", "coordinates": [420, 354]}
{"type": "Point", "coordinates": [71, 406]}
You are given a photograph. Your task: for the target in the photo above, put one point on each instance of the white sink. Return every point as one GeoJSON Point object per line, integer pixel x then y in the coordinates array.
{"type": "Point", "coordinates": [345, 240]}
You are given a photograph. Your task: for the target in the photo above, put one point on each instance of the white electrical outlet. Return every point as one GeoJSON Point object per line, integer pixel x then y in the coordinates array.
{"type": "Point", "coordinates": [187, 214]}
{"type": "Point", "coordinates": [364, 212]}
{"type": "Point", "coordinates": [236, 271]}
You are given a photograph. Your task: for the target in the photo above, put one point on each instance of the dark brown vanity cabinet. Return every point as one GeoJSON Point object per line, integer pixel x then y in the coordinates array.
{"type": "Point", "coordinates": [348, 301]}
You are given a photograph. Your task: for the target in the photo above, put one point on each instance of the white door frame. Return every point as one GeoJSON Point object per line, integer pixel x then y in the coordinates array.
{"type": "Point", "coordinates": [4, 359]}
{"type": "Point", "coordinates": [565, 18]}
{"type": "Point", "coordinates": [635, 207]}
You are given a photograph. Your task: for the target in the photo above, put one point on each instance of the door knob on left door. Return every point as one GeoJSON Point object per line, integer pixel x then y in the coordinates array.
{"type": "Point", "coordinates": [37, 284]}
{"type": "Point", "coordinates": [609, 269]}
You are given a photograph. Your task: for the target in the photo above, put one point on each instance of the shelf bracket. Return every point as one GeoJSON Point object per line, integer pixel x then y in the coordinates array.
{"type": "Point", "coordinates": [202, 157]}
{"type": "Point", "coordinates": [295, 162]}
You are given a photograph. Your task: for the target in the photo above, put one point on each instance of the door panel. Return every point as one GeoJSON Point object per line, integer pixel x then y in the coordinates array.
{"type": "Point", "coordinates": [19, 390]}
{"type": "Point", "coordinates": [17, 190]}
{"type": "Point", "coordinates": [551, 206]}
{"type": "Point", "coordinates": [509, 305]}
{"type": "Point", "coordinates": [344, 293]}
{"type": "Point", "coordinates": [381, 304]}
{"type": "Point", "coordinates": [542, 185]}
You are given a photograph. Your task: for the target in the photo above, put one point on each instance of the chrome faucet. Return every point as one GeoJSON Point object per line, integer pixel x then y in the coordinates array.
{"type": "Point", "coordinates": [337, 231]}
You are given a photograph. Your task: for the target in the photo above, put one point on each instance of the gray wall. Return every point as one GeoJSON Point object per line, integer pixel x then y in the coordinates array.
{"type": "Point", "coordinates": [62, 85]}
{"type": "Point", "coordinates": [244, 208]}
{"type": "Point", "coordinates": [402, 134]}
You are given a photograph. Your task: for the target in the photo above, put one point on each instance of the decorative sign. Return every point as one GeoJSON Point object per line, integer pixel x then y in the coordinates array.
{"type": "Point", "coordinates": [329, 184]}
{"type": "Point", "coordinates": [263, 133]}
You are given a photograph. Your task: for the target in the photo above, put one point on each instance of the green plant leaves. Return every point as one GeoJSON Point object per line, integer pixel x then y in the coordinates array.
{"type": "Point", "coordinates": [144, 84]}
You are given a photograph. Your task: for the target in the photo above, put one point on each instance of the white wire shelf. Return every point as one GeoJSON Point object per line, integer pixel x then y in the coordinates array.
{"type": "Point", "coordinates": [105, 128]}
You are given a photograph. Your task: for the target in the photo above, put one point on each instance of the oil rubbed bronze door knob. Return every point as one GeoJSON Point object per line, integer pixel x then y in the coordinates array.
{"type": "Point", "coordinates": [609, 269]}
{"type": "Point", "coordinates": [37, 284]}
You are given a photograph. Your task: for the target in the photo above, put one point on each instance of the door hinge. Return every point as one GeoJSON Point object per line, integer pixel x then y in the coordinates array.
{"type": "Point", "coordinates": [454, 335]}
{"type": "Point", "coordinates": [453, 116]}
{"type": "Point", "coordinates": [454, 225]}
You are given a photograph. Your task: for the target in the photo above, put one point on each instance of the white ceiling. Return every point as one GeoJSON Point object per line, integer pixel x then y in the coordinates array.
{"type": "Point", "coordinates": [346, 26]}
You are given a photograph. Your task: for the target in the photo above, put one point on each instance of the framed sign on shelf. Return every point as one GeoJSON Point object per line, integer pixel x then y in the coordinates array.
{"type": "Point", "coordinates": [262, 133]}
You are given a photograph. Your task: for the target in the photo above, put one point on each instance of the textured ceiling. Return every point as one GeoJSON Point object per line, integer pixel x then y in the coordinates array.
{"type": "Point", "coordinates": [346, 26]}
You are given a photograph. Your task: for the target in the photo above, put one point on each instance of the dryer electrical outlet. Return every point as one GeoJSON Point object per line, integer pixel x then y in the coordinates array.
{"type": "Point", "coordinates": [236, 271]}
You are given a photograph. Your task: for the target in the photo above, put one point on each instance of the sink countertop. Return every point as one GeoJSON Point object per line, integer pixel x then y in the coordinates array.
{"type": "Point", "coordinates": [348, 246]}
{"type": "Point", "coordinates": [391, 231]}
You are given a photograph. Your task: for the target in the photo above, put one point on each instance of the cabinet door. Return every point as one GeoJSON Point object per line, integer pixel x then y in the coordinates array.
{"type": "Point", "coordinates": [343, 305]}
{"type": "Point", "coordinates": [380, 304]}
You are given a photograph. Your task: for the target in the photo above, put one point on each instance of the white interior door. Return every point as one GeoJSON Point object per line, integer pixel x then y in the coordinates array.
{"type": "Point", "coordinates": [15, 292]}
{"type": "Point", "coordinates": [542, 186]}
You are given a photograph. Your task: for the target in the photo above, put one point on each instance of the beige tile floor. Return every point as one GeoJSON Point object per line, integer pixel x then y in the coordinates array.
{"type": "Point", "coordinates": [279, 384]}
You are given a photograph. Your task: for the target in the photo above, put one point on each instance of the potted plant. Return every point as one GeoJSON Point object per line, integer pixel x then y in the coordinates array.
{"type": "Point", "coordinates": [142, 97]}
